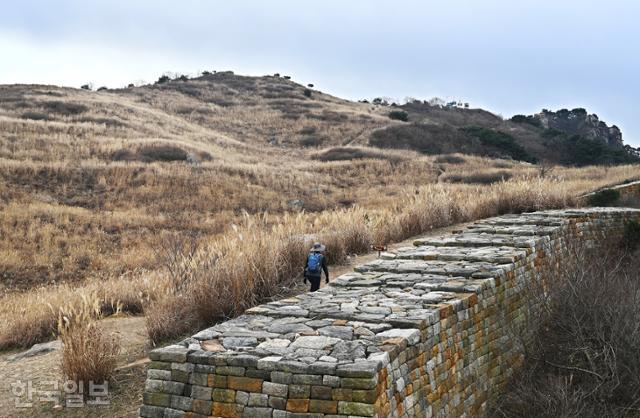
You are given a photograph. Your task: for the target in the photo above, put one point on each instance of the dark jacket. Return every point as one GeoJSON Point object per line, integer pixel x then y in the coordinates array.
{"type": "Point", "coordinates": [324, 268]}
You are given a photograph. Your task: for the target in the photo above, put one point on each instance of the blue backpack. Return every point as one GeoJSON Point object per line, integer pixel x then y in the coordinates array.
{"type": "Point", "coordinates": [314, 264]}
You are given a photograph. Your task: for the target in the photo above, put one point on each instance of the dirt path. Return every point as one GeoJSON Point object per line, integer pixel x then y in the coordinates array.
{"type": "Point", "coordinates": [128, 382]}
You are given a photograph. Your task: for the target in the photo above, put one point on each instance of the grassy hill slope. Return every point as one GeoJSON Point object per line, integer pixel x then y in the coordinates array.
{"type": "Point", "coordinates": [91, 181]}
{"type": "Point", "coordinates": [258, 117]}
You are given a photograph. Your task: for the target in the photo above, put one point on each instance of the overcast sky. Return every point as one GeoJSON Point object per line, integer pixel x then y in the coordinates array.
{"type": "Point", "coordinates": [503, 55]}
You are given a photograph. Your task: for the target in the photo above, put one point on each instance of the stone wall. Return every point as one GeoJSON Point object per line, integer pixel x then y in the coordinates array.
{"type": "Point", "coordinates": [426, 331]}
{"type": "Point", "coordinates": [627, 191]}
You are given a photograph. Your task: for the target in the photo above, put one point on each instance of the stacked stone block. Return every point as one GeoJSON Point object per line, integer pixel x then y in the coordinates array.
{"type": "Point", "coordinates": [425, 331]}
{"type": "Point", "coordinates": [628, 190]}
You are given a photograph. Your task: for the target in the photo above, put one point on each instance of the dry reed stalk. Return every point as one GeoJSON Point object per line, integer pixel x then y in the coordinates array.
{"type": "Point", "coordinates": [87, 354]}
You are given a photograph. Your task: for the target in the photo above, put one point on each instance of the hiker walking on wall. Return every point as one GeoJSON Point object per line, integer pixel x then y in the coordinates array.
{"type": "Point", "coordinates": [316, 264]}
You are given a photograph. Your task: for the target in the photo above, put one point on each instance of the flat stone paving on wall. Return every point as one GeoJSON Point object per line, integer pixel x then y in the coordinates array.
{"type": "Point", "coordinates": [425, 331]}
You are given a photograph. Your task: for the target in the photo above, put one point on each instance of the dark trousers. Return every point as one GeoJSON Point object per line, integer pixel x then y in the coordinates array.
{"type": "Point", "coordinates": [315, 283]}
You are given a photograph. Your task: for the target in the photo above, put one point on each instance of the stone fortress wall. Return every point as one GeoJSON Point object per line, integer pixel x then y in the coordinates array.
{"type": "Point", "coordinates": [629, 189]}
{"type": "Point", "coordinates": [626, 191]}
{"type": "Point", "coordinates": [427, 331]}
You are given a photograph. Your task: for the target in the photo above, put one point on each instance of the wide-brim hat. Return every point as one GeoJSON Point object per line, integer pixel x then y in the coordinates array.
{"type": "Point", "coordinates": [318, 247]}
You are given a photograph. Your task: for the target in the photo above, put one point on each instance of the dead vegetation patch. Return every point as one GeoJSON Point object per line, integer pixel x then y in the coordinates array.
{"type": "Point", "coordinates": [158, 153]}
{"type": "Point", "coordinates": [88, 355]}
{"type": "Point", "coordinates": [425, 138]}
{"type": "Point", "coordinates": [481, 177]}
{"type": "Point", "coordinates": [582, 360]}
{"type": "Point", "coordinates": [164, 153]}
{"type": "Point", "coordinates": [450, 159]}
{"type": "Point", "coordinates": [356, 153]}
{"type": "Point", "coordinates": [65, 108]}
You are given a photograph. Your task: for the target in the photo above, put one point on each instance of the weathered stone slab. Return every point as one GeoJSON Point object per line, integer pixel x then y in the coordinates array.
{"type": "Point", "coordinates": [472, 239]}
{"type": "Point", "coordinates": [36, 350]}
{"type": "Point", "coordinates": [437, 267]}
{"type": "Point", "coordinates": [494, 255]}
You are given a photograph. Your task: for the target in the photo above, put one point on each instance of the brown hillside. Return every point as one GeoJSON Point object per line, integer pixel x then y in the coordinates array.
{"type": "Point", "coordinates": [90, 181]}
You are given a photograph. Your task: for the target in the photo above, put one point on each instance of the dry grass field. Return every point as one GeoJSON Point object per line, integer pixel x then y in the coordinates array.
{"type": "Point", "coordinates": [188, 202]}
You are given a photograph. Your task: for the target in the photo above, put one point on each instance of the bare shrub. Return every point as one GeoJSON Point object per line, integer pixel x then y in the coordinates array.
{"type": "Point", "coordinates": [124, 155]}
{"type": "Point", "coordinates": [486, 177]}
{"type": "Point", "coordinates": [162, 153]}
{"type": "Point", "coordinates": [151, 153]}
{"type": "Point", "coordinates": [170, 317]}
{"type": "Point", "coordinates": [336, 249]}
{"type": "Point", "coordinates": [355, 153]}
{"type": "Point", "coordinates": [450, 159]}
{"type": "Point", "coordinates": [356, 237]}
{"type": "Point", "coordinates": [353, 238]}
{"type": "Point", "coordinates": [87, 354]}
{"type": "Point", "coordinates": [426, 138]}
{"type": "Point", "coordinates": [35, 115]}
{"type": "Point", "coordinates": [65, 108]}
{"type": "Point", "coordinates": [222, 102]}
{"type": "Point", "coordinates": [175, 253]}
{"type": "Point", "coordinates": [308, 130]}
{"type": "Point", "coordinates": [312, 140]}
{"type": "Point", "coordinates": [528, 194]}
{"type": "Point", "coordinates": [583, 359]}
{"type": "Point", "coordinates": [108, 122]}
{"type": "Point", "coordinates": [502, 164]}
{"type": "Point", "coordinates": [330, 116]}
{"type": "Point", "coordinates": [545, 168]}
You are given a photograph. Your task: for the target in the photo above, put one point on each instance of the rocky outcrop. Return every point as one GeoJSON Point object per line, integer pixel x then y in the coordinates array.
{"type": "Point", "coordinates": [36, 350]}
{"type": "Point", "coordinates": [425, 331]}
{"type": "Point", "coordinates": [579, 122]}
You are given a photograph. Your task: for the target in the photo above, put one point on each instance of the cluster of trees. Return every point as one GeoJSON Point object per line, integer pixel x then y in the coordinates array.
{"type": "Point", "coordinates": [500, 141]}
{"type": "Point", "coordinates": [579, 150]}
{"type": "Point", "coordinates": [531, 120]}
{"type": "Point", "coordinates": [168, 76]}
{"type": "Point", "coordinates": [399, 115]}
{"type": "Point", "coordinates": [435, 101]}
